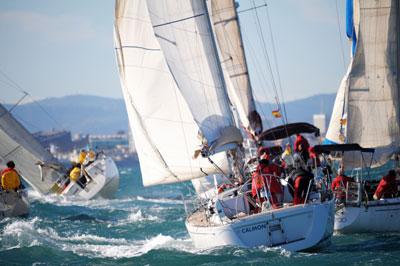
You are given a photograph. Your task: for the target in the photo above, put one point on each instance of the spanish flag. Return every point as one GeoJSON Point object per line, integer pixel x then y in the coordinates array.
{"type": "Point", "coordinates": [276, 113]}
{"type": "Point", "coordinates": [343, 121]}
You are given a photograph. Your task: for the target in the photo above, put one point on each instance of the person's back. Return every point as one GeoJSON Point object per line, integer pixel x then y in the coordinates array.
{"type": "Point", "coordinates": [387, 186]}
{"type": "Point", "coordinates": [339, 185]}
{"type": "Point", "coordinates": [10, 178]}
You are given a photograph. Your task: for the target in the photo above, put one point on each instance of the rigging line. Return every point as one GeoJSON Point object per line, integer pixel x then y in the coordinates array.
{"type": "Point", "coordinates": [27, 94]}
{"type": "Point", "coordinates": [252, 8]}
{"type": "Point", "coordinates": [265, 52]}
{"type": "Point", "coordinates": [284, 117]}
{"type": "Point", "coordinates": [18, 102]}
{"type": "Point", "coordinates": [340, 35]}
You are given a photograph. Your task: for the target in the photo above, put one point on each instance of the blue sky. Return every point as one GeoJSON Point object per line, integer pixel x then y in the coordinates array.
{"type": "Point", "coordinates": [53, 48]}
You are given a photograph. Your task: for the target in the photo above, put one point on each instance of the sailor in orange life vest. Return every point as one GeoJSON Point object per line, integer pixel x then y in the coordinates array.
{"type": "Point", "coordinates": [339, 184]}
{"type": "Point", "coordinates": [300, 180]}
{"type": "Point", "coordinates": [387, 186]}
{"type": "Point", "coordinates": [10, 178]}
{"type": "Point", "coordinates": [301, 146]}
{"type": "Point", "coordinates": [266, 176]}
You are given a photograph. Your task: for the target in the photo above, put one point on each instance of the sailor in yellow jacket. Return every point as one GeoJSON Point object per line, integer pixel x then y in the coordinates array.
{"type": "Point", "coordinates": [10, 178]}
{"type": "Point", "coordinates": [75, 173]}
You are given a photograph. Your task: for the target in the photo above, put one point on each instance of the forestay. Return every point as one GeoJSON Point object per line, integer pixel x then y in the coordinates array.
{"type": "Point", "coordinates": [18, 145]}
{"type": "Point", "coordinates": [165, 133]}
{"type": "Point", "coordinates": [233, 62]}
{"type": "Point", "coordinates": [183, 30]}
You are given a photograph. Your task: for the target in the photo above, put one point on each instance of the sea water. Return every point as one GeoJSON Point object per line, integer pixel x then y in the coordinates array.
{"type": "Point", "coordinates": [145, 226]}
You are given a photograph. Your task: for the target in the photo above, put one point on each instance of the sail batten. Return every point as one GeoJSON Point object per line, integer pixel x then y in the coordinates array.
{"type": "Point", "coordinates": [164, 130]}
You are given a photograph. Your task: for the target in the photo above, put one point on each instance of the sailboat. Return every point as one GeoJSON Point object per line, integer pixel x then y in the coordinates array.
{"type": "Point", "coordinates": [366, 112]}
{"type": "Point", "coordinates": [178, 91]}
{"type": "Point", "coordinates": [43, 172]}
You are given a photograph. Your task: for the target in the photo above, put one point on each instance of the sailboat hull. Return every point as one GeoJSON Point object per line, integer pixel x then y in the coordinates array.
{"type": "Point", "coordinates": [13, 204]}
{"type": "Point", "coordinates": [375, 216]}
{"type": "Point", "coordinates": [294, 228]}
{"type": "Point", "coordinates": [104, 180]}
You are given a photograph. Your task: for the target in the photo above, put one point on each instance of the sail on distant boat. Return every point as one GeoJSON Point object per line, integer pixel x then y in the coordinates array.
{"type": "Point", "coordinates": [43, 172]}
{"type": "Point", "coordinates": [33, 161]}
{"type": "Point", "coordinates": [369, 94]}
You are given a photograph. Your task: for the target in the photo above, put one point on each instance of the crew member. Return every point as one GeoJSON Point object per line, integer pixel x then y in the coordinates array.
{"type": "Point", "coordinates": [301, 179]}
{"type": "Point", "coordinates": [287, 157]}
{"type": "Point", "coordinates": [339, 184]}
{"type": "Point", "coordinates": [266, 176]}
{"type": "Point", "coordinates": [387, 186]}
{"type": "Point", "coordinates": [301, 146]}
{"type": "Point", "coordinates": [10, 178]}
{"type": "Point", "coordinates": [82, 156]}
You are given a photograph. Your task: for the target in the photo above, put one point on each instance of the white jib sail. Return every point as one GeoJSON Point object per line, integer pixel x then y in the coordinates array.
{"type": "Point", "coordinates": [183, 30]}
{"type": "Point", "coordinates": [163, 128]}
{"type": "Point", "coordinates": [373, 85]}
{"type": "Point", "coordinates": [18, 145]}
{"type": "Point", "coordinates": [233, 61]}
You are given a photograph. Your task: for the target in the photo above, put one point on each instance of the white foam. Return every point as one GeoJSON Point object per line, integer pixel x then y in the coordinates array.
{"type": "Point", "coordinates": [27, 233]}
{"type": "Point", "coordinates": [160, 200]}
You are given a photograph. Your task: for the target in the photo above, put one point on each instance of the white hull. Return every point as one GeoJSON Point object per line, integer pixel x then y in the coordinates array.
{"type": "Point", "coordinates": [377, 216]}
{"type": "Point", "coordinates": [104, 183]}
{"type": "Point", "coordinates": [13, 204]}
{"type": "Point", "coordinates": [293, 228]}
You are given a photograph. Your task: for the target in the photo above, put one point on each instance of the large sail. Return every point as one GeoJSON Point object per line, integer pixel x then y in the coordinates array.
{"type": "Point", "coordinates": [18, 145]}
{"type": "Point", "coordinates": [183, 30]}
{"type": "Point", "coordinates": [233, 61]}
{"type": "Point", "coordinates": [164, 131]}
{"type": "Point", "coordinates": [372, 84]}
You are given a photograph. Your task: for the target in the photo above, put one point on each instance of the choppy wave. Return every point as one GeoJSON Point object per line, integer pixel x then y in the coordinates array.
{"type": "Point", "coordinates": [28, 233]}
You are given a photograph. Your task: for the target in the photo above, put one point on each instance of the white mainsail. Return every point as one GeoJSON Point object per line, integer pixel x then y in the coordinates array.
{"type": "Point", "coordinates": [227, 31]}
{"type": "Point", "coordinates": [164, 131]}
{"type": "Point", "coordinates": [183, 30]}
{"type": "Point", "coordinates": [18, 145]}
{"type": "Point", "coordinates": [372, 84]}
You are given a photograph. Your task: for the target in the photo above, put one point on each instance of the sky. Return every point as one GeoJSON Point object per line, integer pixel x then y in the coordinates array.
{"type": "Point", "coordinates": [52, 48]}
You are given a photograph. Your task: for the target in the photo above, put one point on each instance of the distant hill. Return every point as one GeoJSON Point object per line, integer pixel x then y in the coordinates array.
{"type": "Point", "coordinates": [99, 115]}
{"type": "Point", "coordinates": [77, 113]}
{"type": "Point", "coordinates": [302, 110]}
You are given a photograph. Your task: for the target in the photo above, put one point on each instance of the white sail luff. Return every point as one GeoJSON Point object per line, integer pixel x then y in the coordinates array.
{"type": "Point", "coordinates": [163, 128]}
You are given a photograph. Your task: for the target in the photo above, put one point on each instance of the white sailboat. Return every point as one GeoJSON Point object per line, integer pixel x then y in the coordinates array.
{"type": "Point", "coordinates": [178, 102]}
{"type": "Point", "coordinates": [366, 110]}
{"type": "Point", "coordinates": [43, 172]}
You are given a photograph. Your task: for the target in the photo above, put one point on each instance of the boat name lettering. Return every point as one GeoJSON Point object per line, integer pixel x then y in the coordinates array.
{"type": "Point", "coordinates": [253, 228]}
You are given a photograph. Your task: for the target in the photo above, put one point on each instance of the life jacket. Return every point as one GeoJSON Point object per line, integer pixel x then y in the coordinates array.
{"type": "Point", "coordinates": [75, 174]}
{"type": "Point", "coordinates": [10, 179]}
{"type": "Point", "coordinates": [82, 157]}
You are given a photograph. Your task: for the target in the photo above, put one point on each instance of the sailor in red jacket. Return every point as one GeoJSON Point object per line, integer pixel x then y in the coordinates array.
{"type": "Point", "coordinates": [266, 175]}
{"type": "Point", "coordinates": [300, 180]}
{"type": "Point", "coordinates": [387, 185]}
{"type": "Point", "coordinates": [339, 184]}
{"type": "Point", "coordinates": [301, 146]}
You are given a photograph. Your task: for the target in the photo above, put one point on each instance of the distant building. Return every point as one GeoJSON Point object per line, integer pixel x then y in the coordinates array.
{"type": "Point", "coordinates": [59, 140]}
{"type": "Point", "coordinates": [320, 122]}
